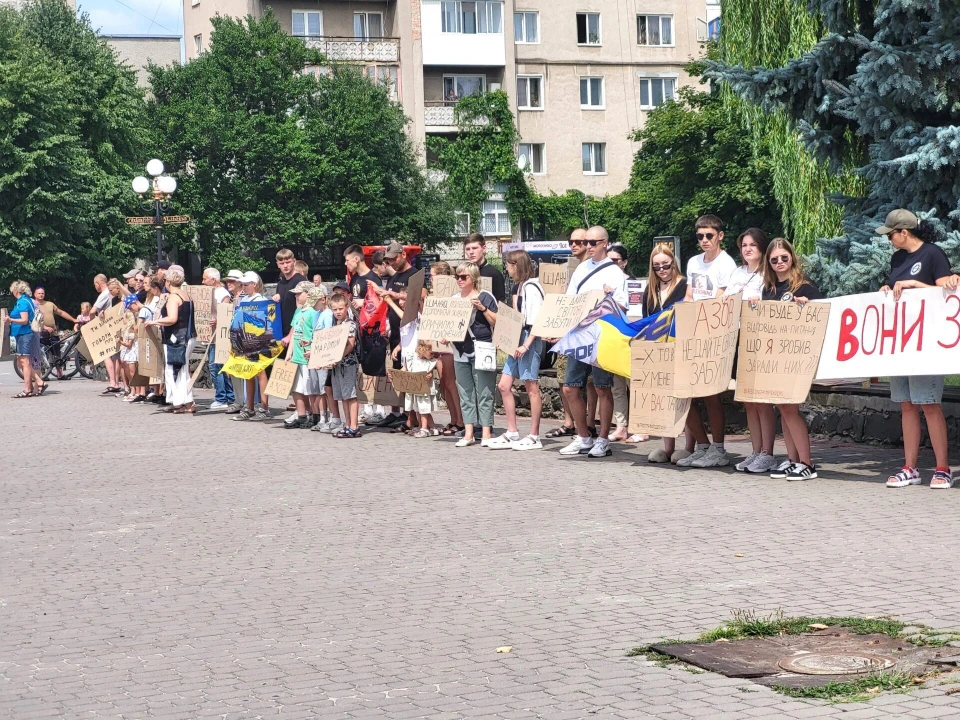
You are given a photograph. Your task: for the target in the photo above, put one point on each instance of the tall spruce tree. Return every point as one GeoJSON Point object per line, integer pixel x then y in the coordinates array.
{"type": "Point", "coordinates": [879, 93]}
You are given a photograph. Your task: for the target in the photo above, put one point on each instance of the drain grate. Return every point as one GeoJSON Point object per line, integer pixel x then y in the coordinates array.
{"type": "Point", "coordinates": [835, 663]}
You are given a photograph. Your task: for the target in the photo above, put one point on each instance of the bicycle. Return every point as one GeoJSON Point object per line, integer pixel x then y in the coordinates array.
{"type": "Point", "coordinates": [67, 363]}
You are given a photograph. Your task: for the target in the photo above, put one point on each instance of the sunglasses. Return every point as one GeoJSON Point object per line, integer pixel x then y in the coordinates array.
{"type": "Point", "coordinates": [780, 260]}
{"type": "Point", "coordinates": [575, 242]}
{"type": "Point", "coordinates": [658, 268]}
{"type": "Point", "coordinates": [706, 236]}
{"type": "Point", "coordinates": [593, 243]}
{"type": "Point", "coordinates": [463, 277]}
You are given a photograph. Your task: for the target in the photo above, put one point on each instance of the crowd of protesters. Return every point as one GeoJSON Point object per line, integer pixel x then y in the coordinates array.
{"type": "Point", "coordinates": [464, 373]}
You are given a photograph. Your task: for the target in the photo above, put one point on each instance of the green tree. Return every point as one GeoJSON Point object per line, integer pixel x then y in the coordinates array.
{"type": "Point", "coordinates": [267, 155]}
{"type": "Point", "coordinates": [72, 131]}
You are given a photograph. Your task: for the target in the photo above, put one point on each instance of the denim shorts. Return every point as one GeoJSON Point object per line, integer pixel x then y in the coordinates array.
{"type": "Point", "coordinates": [528, 366]}
{"type": "Point", "coordinates": [25, 343]}
{"type": "Point", "coordinates": [578, 372]}
{"type": "Point", "coordinates": [917, 389]}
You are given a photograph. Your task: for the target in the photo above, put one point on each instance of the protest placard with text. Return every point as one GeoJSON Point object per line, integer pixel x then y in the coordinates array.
{"type": "Point", "coordinates": [377, 391]}
{"type": "Point", "coordinates": [444, 285]}
{"type": "Point", "coordinates": [445, 318]}
{"type": "Point", "coordinates": [560, 313]}
{"type": "Point", "coordinates": [553, 278]}
{"type": "Point", "coordinates": [412, 307]}
{"type": "Point", "coordinates": [221, 351]}
{"type": "Point", "coordinates": [202, 297]}
{"type": "Point", "coordinates": [780, 345]}
{"type": "Point", "coordinates": [101, 338]}
{"type": "Point", "coordinates": [328, 346]}
{"type": "Point", "coordinates": [706, 340]}
{"type": "Point", "coordinates": [150, 351]}
{"type": "Point", "coordinates": [654, 409]}
{"type": "Point", "coordinates": [415, 383]}
{"type": "Point", "coordinates": [281, 380]}
{"type": "Point", "coordinates": [507, 330]}
{"type": "Point", "coordinates": [486, 284]}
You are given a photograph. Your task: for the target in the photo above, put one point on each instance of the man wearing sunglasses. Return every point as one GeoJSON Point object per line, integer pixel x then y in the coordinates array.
{"type": "Point", "coordinates": [595, 273]}
{"type": "Point", "coordinates": [708, 275]}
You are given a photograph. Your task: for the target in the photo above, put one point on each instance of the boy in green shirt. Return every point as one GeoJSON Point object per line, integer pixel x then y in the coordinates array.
{"type": "Point", "coordinates": [302, 324]}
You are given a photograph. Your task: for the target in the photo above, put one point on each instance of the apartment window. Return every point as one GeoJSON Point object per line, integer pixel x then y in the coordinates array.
{"type": "Point", "coordinates": [198, 44]}
{"type": "Point", "coordinates": [367, 25]}
{"type": "Point", "coordinates": [588, 28]}
{"type": "Point", "coordinates": [384, 76]}
{"type": "Point", "coordinates": [594, 158]}
{"type": "Point", "coordinates": [456, 87]}
{"type": "Point", "coordinates": [317, 71]}
{"type": "Point", "coordinates": [461, 223]}
{"type": "Point", "coordinates": [654, 30]}
{"type": "Point", "coordinates": [656, 91]}
{"type": "Point", "coordinates": [591, 93]}
{"type": "Point", "coordinates": [530, 157]}
{"type": "Point", "coordinates": [306, 23]}
{"type": "Point", "coordinates": [530, 92]}
{"type": "Point", "coordinates": [471, 16]}
{"type": "Point", "coordinates": [526, 28]}
{"type": "Point", "coordinates": [496, 219]}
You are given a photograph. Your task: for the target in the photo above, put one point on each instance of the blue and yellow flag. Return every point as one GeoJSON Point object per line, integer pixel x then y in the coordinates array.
{"type": "Point", "coordinates": [255, 335]}
{"type": "Point", "coordinates": [603, 337]}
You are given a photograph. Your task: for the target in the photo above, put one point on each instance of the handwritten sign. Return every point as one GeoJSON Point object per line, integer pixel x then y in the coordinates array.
{"type": "Point", "coordinates": [486, 284]}
{"type": "Point", "coordinates": [654, 409]}
{"type": "Point", "coordinates": [871, 335]}
{"type": "Point", "coordinates": [444, 285]}
{"type": "Point", "coordinates": [150, 351]}
{"type": "Point", "coordinates": [101, 338]}
{"type": "Point", "coordinates": [507, 331]}
{"type": "Point", "coordinates": [445, 318]}
{"type": "Point", "coordinates": [328, 346]}
{"type": "Point", "coordinates": [415, 383]}
{"type": "Point", "coordinates": [221, 352]}
{"type": "Point", "coordinates": [553, 278]}
{"type": "Point", "coordinates": [780, 345]}
{"type": "Point", "coordinates": [561, 313]}
{"type": "Point", "coordinates": [706, 345]}
{"type": "Point", "coordinates": [202, 297]}
{"type": "Point", "coordinates": [377, 391]}
{"type": "Point", "coordinates": [281, 379]}
{"type": "Point", "coordinates": [414, 290]}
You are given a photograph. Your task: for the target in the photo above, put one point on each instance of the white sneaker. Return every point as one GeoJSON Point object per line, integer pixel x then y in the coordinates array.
{"type": "Point", "coordinates": [216, 405]}
{"type": "Point", "coordinates": [579, 446]}
{"type": "Point", "coordinates": [742, 465]}
{"type": "Point", "coordinates": [332, 426]}
{"type": "Point", "coordinates": [782, 470]}
{"type": "Point", "coordinates": [504, 442]}
{"type": "Point", "coordinates": [698, 453]}
{"type": "Point", "coordinates": [373, 418]}
{"type": "Point", "coordinates": [465, 442]}
{"type": "Point", "coordinates": [714, 457]}
{"type": "Point", "coordinates": [762, 463]}
{"type": "Point", "coordinates": [528, 443]}
{"type": "Point", "coordinates": [293, 416]}
{"type": "Point", "coordinates": [601, 448]}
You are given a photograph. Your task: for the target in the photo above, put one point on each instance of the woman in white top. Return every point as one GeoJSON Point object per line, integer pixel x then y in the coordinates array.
{"type": "Point", "coordinates": [526, 296]}
{"type": "Point", "coordinates": [761, 419]}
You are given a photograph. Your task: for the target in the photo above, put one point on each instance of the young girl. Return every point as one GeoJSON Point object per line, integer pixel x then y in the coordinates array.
{"type": "Point", "coordinates": [129, 348]}
{"type": "Point", "coordinates": [86, 313]}
{"type": "Point", "coordinates": [418, 357]}
{"type": "Point", "coordinates": [344, 373]}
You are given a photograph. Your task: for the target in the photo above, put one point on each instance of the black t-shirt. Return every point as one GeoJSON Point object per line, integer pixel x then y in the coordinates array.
{"type": "Point", "coordinates": [288, 300]}
{"type": "Point", "coordinates": [360, 283]}
{"type": "Point", "coordinates": [675, 296]}
{"type": "Point", "coordinates": [479, 326]}
{"type": "Point", "coordinates": [927, 264]}
{"type": "Point", "coordinates": [807, 289]}
{"type": "Point", "coordinates": [496, 278]}
{"type": "Point", "coordinates": [396, 283]}
{"type": "Point", "coordinates": [142, 296]}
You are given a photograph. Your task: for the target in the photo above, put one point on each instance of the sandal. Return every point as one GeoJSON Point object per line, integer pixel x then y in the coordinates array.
{"type": "Point", "coordinates": [405, 429]}
{"type": "Point", "coordinates": [451, 430]}
{"type": "Point", "coordinates": [43, 389]}
{"type": "Point", "coordinates": [110, 390]}
{"type": "Point", "coordinates": [637, 438]}
{"type": "Point", "coordinates": [22, 394]}
{"type": "Point", "coordinates": [421, 433]}
{"type": "Point", "coordinates": [347, 433]}
{"type": "Point", "coordinates": [562, 431]}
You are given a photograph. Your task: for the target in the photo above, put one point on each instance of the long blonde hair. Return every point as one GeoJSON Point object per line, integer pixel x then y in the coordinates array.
{"type": "Point", "coordinates": [653, 281]}
{"type": "Point", "coordinates": [797, 276]}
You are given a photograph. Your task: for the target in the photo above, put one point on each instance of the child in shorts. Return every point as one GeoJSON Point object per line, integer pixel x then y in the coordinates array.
{"type": "Point", "coordinates": [343, 375]}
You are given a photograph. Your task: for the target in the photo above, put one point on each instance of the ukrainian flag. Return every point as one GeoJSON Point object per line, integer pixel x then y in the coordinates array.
{"type": "Point", "coordinates": [603, 337]}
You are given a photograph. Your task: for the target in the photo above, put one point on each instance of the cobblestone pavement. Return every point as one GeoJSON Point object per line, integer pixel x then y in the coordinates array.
{"type": "Point", "coordinates": [158, 566]}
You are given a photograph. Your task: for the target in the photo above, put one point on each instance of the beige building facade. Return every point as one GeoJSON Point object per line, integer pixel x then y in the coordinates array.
{"type": "Point", "coordinates": [581, 75]}
{"type": "Point", "coordinates": [138, 51]}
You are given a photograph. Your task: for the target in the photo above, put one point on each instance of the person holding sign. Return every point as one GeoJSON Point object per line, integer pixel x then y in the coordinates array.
{"type": "Point", "coordinates": [448, 378]}
{"type": "Point", "coordinates": [343, 375]}
{"type": "Point", "coordinates": [524, 364]}
{"type": "Point", "coordinates": [475, 359]}
{"type": "Point", "coordinates": [784, 280]}
{"type": "Point", "coordinates": [918, 263]}
{"type": "Point", "coordinates": [595, 273]}
{"type": "Point", "coordinates": [708, 275]}
{"type": "Point", "coordinates": [621, 385]}
{"type": "Point", "coordinates": [176, 322]}
{"type": "Point", "coordinates": [304, 389]}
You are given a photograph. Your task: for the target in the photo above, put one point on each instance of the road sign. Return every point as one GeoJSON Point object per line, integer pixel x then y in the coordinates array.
{"type": "Point", "coordinates": [173, 219]}
{"type": "Point", "coordinates": [145, 220]}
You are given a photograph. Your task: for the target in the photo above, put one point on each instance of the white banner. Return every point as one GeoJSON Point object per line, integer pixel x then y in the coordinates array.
{"type": "Point", "coordinates": [870, 335]}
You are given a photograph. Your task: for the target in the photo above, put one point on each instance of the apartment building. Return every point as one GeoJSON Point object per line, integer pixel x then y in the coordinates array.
{"type": "Point", "coordinates": [581, 74]}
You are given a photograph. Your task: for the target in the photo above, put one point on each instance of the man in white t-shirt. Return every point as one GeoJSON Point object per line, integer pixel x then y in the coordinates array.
{"type": "Point", "coordinates": [223, 385]}
{"type": "Point", "coordinates": [594, 273]}
{"type": "Point", "coordinates": [708, 275]}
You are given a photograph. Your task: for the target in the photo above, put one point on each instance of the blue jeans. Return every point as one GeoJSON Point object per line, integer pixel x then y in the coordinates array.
{"type": "Point", "coordinates": [222, 383]}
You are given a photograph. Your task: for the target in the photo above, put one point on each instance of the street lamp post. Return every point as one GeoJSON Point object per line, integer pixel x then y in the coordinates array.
{"type": "Point", "coordinates": [163, 186]}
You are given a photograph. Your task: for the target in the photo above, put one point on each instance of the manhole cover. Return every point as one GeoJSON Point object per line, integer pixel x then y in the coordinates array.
{"type": "Point", "coordinates": [835, 663]}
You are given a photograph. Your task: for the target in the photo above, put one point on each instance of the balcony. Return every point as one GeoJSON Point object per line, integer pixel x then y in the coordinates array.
{"type": "Point", "coordinates": [347, 49]}
{"type": "Point", "coordinates": [439, 116]}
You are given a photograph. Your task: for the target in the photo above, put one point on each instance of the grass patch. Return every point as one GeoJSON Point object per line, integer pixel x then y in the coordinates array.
{"type": "Point", "coordinates": [859, 690]}
{"type": "Point", "coordinates": [748, 624]}
{"type": "Point", "coordinates": [663, 661]}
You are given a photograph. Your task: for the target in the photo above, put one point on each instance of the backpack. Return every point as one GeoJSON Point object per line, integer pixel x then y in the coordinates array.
{"type": "Point", "coordinates": [36, 323]}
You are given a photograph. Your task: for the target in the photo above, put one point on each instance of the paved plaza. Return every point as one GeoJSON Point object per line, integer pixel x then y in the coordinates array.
{"type": "Point", "coordinates": [159, 566]}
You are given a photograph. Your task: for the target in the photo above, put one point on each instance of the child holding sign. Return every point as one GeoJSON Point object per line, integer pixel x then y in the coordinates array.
{"type": "Point", "coordinates": [343, 376]}
{"type": "Point", "coordinates": [304, 389]}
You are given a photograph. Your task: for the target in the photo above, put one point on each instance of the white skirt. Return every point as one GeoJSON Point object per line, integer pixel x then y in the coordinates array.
{"type": "Point", "coordinates": [179, 391]}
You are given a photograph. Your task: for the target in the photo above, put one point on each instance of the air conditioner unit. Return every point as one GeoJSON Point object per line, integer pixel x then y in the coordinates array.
{"type": "Point", "coordinates": [494, 87]}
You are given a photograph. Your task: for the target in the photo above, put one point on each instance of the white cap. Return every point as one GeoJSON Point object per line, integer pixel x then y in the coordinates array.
{"type": "Point", "coordinates": [249, 277]}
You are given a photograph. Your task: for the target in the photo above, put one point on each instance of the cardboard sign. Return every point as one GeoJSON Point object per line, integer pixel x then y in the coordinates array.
{"type": "Point", "coordinates": [414, 290]}
{"type": "Point", "coordinates": [506, 332]}
{"type": "Point", "coordinates": [553, 278]}
{"type": "Point", "coordinates": [445, 285]}
{"type": "Point", "coordinates": [561, 313]}
{"type": "Point", "coordinates": [439, 349]}
{"type": "Point", "coordinates": [150, 350]}
{"type": "Point", "coordinates": [780, 345]}
{"type": "Point", "coordinates": [415, 383]}
{"type": "Point", "coordinates": [281, 379]}
{"type": "Point", "coordinates": [870, 335]}
{"type": "Point", "coordinates": [196, 373]}
{"type": "Point", "coordinates": [5, 326]}
{"type": "Point", "coordinates": [706, 345]}
{"type": "Point", "coordinates": [221, 352]}
{"type": "Point", "coordinates": [445, 318]}
{"type": "Point", "coordinates": [377, 390]}
{"type": "Point", "coordinates": [486, 284]}
{"type": "Point", "coordinates": [328, 346]}
{"type": "Point", "coordinates": [202, 297]}
{"type": "Point", "coordinates": [654, 409]}
{"type": "Point", "coordinates": [101, 338]}
{"type": "Point", "coordinates": [635, 290]}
